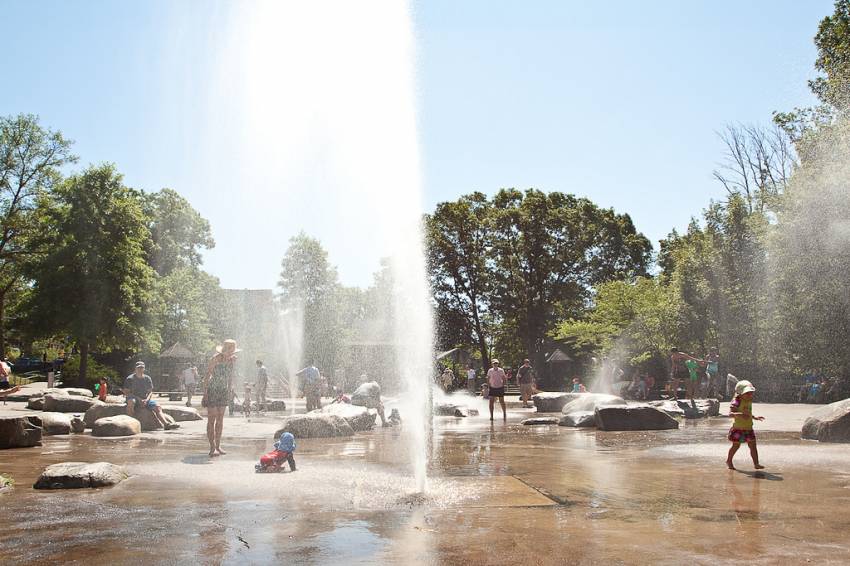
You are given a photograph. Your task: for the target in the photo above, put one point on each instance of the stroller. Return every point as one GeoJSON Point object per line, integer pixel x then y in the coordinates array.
{"type": "Point", "coordinates": [272, 462]}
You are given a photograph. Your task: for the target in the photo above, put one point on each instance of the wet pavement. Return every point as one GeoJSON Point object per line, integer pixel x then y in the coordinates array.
{"type": "Point", "coordinates": [498, 494]}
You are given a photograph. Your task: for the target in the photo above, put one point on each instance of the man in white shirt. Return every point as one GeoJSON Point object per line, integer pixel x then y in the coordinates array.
{"type": "Point", "coordinates": [189, 377]}
{"type": "Point", "coordinates": [470, 379]}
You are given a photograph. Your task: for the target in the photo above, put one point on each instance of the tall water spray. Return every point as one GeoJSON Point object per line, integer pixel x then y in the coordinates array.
{"type": "Point", "coordinates": [315, 104]}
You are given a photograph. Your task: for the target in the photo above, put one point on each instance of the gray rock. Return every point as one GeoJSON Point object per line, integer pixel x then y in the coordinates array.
{"type": "Point", "coordinates": [637, 417]}
{"type": "Point", "coordinates": [830, 423]}
{"type": "Point", "coordinates": [359, 418]}
{"type": "Point", "coordinates": [100, 410]}
{"type": "Point", "coordinates": [144, 416]}
{"type": "Point", "coordinates": [367, 395]}
{"type": "Point", "coordinates": [55, 423]}
{"type": "Point", "coordinates": [148, 420]}
{"type": "Point", "coordinates": [551, 402]}
{"type": "Point", "coordinates": [315, 425]}
{"type": "Point", "coordinates": [450, 410]}
{"type": "Point", "coordinates": [701, 408]}
{"type": "Point", "coordinates": [20, 432]}
{"type": "Point", "coordinates": [579, 419]}
{"type": "Point", "coordinates": [76, 475]}
{"type": "Point", "coordinates": [77, 391]}
{"type": "Point", "coordinates": [36, 403]}
{"type": "Point", "coordinates": [181, 414]}
{"type": "Point", "coordinates": [78, 425]}
{"type": "Point", "coordinates": [273, 405]}
{"type": "Point", "coordinates": [119, 425]}
{"type": "Point", "coordinates": [581, 402]}
{"type": "Point", "coordinates": [59, 403]}
{"type": "Point", "coordinates": [541, 421]}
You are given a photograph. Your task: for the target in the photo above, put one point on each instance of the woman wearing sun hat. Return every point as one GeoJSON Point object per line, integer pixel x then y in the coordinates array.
{"type": "Point", "coordinates": [217, 387]}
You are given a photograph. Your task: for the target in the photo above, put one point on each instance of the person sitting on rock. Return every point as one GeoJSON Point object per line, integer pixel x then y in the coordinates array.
{"type": "Point", "coordinates": [138, 389]}
{"type": "Point", "coordinates": [283, 449]}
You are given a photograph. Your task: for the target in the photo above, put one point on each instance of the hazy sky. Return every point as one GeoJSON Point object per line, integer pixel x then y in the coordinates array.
{"type": "Point", "coordinates": [618, 102]}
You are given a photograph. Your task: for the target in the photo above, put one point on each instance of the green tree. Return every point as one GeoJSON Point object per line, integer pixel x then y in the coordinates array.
{"type": "Point", "coordinates": [309, 282]}
{"type": "Point", "coordinates": [186, 300]}
{"type": "Point", "coordinates": [94, 283]}
{"type": "Point", "coordinates": [549, 250]}
{"type": "Point", "coordinates": [178, 232]}
{"type": "Point", "coordinates": [458, 243]}
{"type": "Point", "coordinates": [631, 320]}
{"type": "Point", "coordinates": [31, 157]}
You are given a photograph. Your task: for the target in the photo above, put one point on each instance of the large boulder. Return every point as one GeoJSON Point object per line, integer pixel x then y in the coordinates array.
{"type": "Point", "coordinates": [59, 403]}
{"type": "Point", "coordinates": [100, 410]}
{"type": "Point", "coordinates": [359, 418]}
{"type": "Point", "coordinates": [541, 421]}
{"type": "Point", "coordinates": [551, 402]}
{"type": "Point", "coordinates": [579, 419]}
{"type": "Point", "coordinates": [76, 475]}
{"type": "Point", "coordinates": [272, 405]}
{"type": "Point", "coordinates": [699, 409]}
{"type": "Point", "coordinates": [148, 420]}
{"type": "Point", "coordinates": [315, 425]}
{"type": "Point", "coordinates": [830, 423]}
{"type": "Point", "coordinates": [20, 432]}
{"type": "Point", "coordinates": [119, 425]}
{"type": "Point", "coordinates": [36, 403]}
{"type": "Point", "coordinates": [367, 395]}
{"type": "Point", "coordinates": [638, 417]}
{"type": "Point", "coordinates": [145, 417]}
{"type": "Point", "coordinates": [55, 423]}
{"type": "Point", "coordinates": [582, 402]}
{"type": "Point", "coordinates": [180, 414]}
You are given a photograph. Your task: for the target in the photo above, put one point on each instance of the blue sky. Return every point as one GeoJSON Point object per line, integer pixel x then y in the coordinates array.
{"type": "Point", "coordinates": [616, 101]}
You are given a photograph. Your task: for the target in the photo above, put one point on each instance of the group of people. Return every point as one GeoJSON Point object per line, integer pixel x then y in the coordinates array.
{"type": "Point", "coordinates": [699, 375]}
{"type": "Point", "coordinates": [817, 388]}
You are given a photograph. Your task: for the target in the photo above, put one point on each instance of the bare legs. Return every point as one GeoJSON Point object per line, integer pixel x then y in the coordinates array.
{"type": "Point", "coordinates": [215, 424]}
{"type": "Point", "coordinates": [501, 402]}
{"type": "Point", "coordinates": [754, 453]}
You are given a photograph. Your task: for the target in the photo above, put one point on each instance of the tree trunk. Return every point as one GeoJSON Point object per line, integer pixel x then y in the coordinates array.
{"type": "Point", "coordinates": [84, 364]}
{"type": "Point", "coordinates": [2, 325]}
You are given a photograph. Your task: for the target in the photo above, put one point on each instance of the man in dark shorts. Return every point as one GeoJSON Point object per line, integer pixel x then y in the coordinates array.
{"type": "Point", "coordinates": [138, 388]}
{"type": "Point", "coordinates": [496, 379]}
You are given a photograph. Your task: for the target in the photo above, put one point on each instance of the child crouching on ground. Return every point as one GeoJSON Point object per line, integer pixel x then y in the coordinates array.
{"type": "Point", "coordinates": [741, 408]}
{"type": "Point", "coordinates": [283, 449]}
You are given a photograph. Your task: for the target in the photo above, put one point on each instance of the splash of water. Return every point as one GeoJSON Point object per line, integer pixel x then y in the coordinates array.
{"type": "Point", "coordinates": [315, 104]}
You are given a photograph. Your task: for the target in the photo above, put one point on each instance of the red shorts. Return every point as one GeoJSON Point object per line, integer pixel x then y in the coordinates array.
{"type": "Point", "coordinates": [273, 458]}
{"type": "Point", "coordinates": [741, 435]}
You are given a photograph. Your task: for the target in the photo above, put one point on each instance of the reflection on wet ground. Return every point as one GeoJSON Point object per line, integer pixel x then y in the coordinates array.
{"type": "Point", "coordinates": [498, 494]}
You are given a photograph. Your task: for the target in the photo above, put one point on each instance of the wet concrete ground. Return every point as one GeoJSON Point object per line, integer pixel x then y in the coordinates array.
{"type": "Point", "coordinates": [498, 494]}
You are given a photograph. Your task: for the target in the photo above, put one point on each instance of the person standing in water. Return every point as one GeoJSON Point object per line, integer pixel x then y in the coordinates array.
{"type": "Point", "coordinates": [678, 370]}
{"type": "Point", "coordinates": [218, 390]}
{"type": "Point", "coordinates": [712, 368]}
{"type": "Point", "coordinates": [525, 378]}
{"type": "Point", "coordinates": [496, 379]}
{"type": "Point", "coordinates": [741, 409]}
{"type": "Point", "coordinates": [470, 379]}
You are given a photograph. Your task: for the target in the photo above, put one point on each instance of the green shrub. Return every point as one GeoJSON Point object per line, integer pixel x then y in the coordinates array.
{"type": "Point", "coordinates": [71, 372]}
